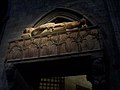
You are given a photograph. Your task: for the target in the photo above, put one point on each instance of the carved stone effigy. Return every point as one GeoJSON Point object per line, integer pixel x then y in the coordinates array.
{"type": "Point", "coordinates": [51, 27]}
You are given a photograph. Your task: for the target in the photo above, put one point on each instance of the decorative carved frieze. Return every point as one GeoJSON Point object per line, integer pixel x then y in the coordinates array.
{"type": "Point", "coordinates": [76, 40]}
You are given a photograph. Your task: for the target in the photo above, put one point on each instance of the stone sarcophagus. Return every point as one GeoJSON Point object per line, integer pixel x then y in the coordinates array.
{"type": "Point", "coordinates": [52, 39]}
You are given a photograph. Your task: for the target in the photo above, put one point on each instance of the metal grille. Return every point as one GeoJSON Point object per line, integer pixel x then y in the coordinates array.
{"type": "Point", "coordinates": [53, 83]}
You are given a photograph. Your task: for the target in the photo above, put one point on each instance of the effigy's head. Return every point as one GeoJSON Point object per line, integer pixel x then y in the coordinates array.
{"type": "Point", "coordinates": [25, 31]}
{"type": "Point", "coordinates": [28, 30]}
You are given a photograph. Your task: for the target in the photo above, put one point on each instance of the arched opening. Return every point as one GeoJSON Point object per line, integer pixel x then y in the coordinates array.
{"type": "Point", "coordinates": [61, 13]}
